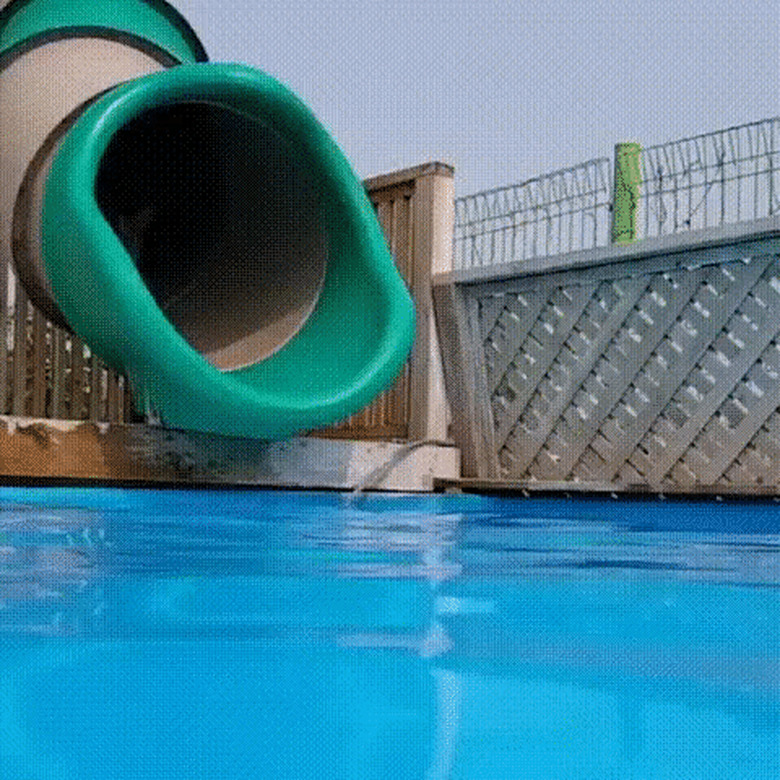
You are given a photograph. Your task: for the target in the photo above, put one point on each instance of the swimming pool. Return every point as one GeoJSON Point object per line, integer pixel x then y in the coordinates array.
{"type": "Point", "coordinates": [231, 634]}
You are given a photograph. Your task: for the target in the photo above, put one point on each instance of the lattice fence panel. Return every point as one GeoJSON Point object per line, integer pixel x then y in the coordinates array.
{"type": "Point", "coordinates": [759, 463]}
{"type": "Point", "coordinates": [660, 377]}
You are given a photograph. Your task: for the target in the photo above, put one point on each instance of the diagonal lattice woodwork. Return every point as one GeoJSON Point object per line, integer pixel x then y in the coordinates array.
{"type": "Point", "coordinates": [635, 375]}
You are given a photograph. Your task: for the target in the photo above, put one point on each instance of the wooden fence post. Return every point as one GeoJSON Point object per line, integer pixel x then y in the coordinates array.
{"type": "Point", "coordinates": [433, 218]}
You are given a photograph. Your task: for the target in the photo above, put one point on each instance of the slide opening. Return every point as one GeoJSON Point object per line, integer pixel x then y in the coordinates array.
{"type": "Point", "coordinates": [222, 223]}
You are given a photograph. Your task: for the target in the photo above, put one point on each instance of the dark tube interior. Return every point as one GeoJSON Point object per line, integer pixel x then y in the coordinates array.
{"type": "Point", "coordinates": [222, 224]}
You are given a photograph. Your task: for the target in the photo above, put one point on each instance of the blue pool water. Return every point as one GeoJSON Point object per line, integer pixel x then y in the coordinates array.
{"type": "Point", "coordinates": [227, 635]}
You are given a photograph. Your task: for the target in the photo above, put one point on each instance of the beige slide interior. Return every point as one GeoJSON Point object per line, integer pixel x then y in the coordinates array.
{"type": "Point", "coordinates": [222, 224]}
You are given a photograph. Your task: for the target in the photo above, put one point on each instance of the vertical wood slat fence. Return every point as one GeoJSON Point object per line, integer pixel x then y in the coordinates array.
{"type": "Point", "coordinates": [48, 373]}
{"type": "Point", "coordinates": [388, 416]}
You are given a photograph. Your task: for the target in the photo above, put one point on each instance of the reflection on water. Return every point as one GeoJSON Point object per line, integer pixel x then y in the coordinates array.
{"type": "Point", "coordinates": [388, 637]}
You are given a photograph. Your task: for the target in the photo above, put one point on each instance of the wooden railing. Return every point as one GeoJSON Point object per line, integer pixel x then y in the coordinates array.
{"type": "Point", "coordinates": [46, 372]}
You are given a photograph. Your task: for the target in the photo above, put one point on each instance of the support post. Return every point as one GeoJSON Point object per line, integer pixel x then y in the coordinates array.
{"type": "Point", "coordinates": [433, 218]}
{"type": "Point", "coordinates": [625, 197]}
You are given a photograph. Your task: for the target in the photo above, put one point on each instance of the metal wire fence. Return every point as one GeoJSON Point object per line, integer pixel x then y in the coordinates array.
{"type": "Point", "coordinates": [718, 178]}
{"type": "Point", "coordinates": [708, 180]}
{"type": "Point", "coordinates": [560, 212]}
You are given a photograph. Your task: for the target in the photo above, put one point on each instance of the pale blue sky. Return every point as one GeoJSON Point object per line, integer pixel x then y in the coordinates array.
{"type": "Point", "coordinates": [505, 90]}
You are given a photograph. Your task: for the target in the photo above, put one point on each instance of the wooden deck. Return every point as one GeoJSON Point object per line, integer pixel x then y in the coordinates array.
{"type": "Point", "coordinates": [37, 451]}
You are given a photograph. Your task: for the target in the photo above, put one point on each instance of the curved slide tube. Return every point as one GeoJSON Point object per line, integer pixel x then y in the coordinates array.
{"type": "Point", "coordinates": [192, 222]}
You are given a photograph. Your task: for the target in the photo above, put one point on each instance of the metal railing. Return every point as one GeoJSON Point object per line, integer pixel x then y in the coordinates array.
{"type": "Point", "coordinates": [708, 180]}
{"type": "Point", "coordinates": [713, 179]}
{"type": "Point", "coordinates": [560, 212]}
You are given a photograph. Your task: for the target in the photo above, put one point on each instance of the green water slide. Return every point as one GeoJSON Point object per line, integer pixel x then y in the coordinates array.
{"type": "Point", "coordinates": [192, 222]}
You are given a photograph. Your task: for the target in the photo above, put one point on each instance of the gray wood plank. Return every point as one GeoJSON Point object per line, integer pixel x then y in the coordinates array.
{"type": "Point", "coordinates": [4, 324]}
{"type": "Point", "coordinates": [58, 375]}
{"type": "Point", "coordinates": [40, 357]}
{"type": "Point", "coordinates": [472, 424]}
{"type": "Point", "coordinates": [95, 397]}
{"type": "Point", "coordinates": [78, 409]}
{"type": "Point", "coordinates": [21, 360]}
